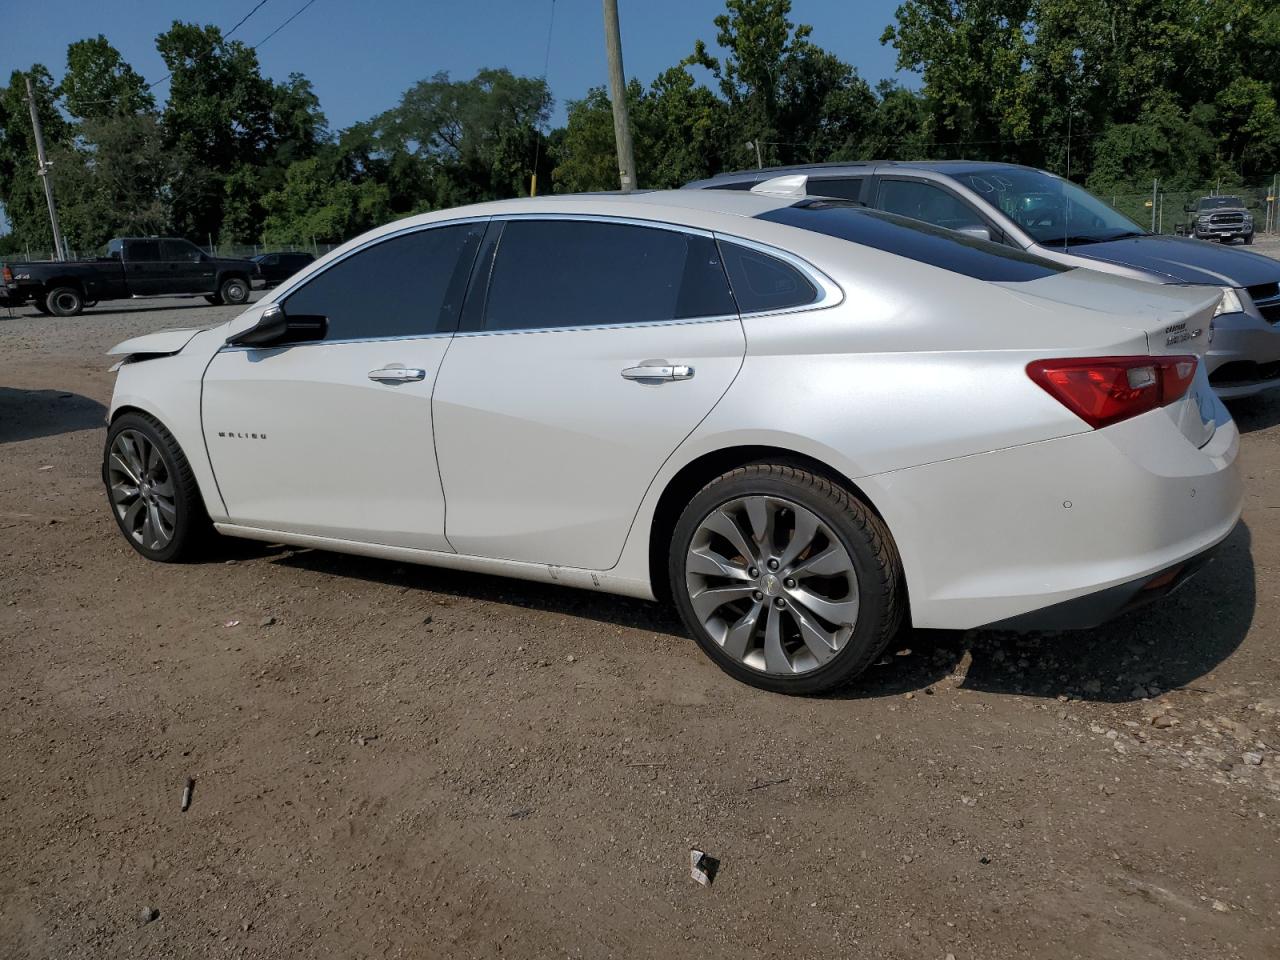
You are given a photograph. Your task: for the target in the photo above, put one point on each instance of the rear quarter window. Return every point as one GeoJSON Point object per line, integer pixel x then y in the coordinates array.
{"type": "Point", "coordinates": [915, 240]}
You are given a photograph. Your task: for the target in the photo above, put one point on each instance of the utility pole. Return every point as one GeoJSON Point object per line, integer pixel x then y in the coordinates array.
{"type": "Point", "coordinates": [618, 92]}
{"type": "Point", "coordinates": [1155, 186]}
{"type": "Point", "coordinates": [59, 251]}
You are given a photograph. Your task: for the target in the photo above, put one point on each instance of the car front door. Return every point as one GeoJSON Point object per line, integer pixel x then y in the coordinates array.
{"type": "Point", "coordinates": [590, 349]}
{"type": "Point", "coordinates": [185, 268]}
{"type": "Point", "coordinates": [922, 200]}
{"type": "Point", "coordinates": [333, 438]}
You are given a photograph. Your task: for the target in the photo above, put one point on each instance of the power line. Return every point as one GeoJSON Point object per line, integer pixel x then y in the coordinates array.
{"type": "Point", "coordinates": [243, 19]}
{"type": "Point", "coordinates": [225, 36]}
{"type": "Point", "coordinates": [282, 26]}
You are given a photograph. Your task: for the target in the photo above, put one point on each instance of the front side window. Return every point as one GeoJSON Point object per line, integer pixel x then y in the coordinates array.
{"type": "Point", "coordinates": [575, 273]}
{"type": "Point", "coordinates": [409, 285]}
{"type": "Point", "coordinates": [924, 201]}
{"type": "Point", "coordinates": [178, 250]}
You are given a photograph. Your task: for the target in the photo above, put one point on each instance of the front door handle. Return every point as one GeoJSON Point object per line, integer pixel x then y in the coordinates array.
{"type": "Point", "coordinates": [658, 370]}
{"type": "Point", "coordinates": [398, 374]}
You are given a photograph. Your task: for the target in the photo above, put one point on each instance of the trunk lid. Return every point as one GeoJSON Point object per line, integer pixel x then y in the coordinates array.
{"type": "Point", "coordinates": [1160, 320]}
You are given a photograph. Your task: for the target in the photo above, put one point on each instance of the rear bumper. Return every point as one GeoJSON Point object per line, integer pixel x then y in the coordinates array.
{"type": "Point", "coordinates": [1096, 517]}
{"type": "Point", "coordinates": [1095, 609]}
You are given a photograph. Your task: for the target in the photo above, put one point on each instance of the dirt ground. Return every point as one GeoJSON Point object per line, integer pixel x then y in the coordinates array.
{"type": "Point", "coordinates": [404, 762]}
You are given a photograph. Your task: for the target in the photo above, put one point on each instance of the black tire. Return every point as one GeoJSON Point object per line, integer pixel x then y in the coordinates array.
{"type": "Point", "coordinates": [64, 301]}
{"type": "Point", "coordinates": [880, 584]}
{"type": "Point", "coordinates": [1248, 240]}
{"type": "Point", "coordinates": [191, 528]}
{"type": "Point", "coordinates": [234, 290]}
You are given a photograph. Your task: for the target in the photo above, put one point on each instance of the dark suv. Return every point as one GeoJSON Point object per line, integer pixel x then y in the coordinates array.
{"type": "Point", "coordinates": [1044, 214]}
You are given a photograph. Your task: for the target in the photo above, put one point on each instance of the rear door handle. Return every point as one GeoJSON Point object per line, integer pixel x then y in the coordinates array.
{"type": "Point", "coordinates": [398, 374]}
{"type": "Point", "coordinates": [658, 370]}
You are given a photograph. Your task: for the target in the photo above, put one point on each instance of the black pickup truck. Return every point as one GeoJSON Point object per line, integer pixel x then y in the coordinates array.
{"type": "Point", "coordinates": [126, 267]}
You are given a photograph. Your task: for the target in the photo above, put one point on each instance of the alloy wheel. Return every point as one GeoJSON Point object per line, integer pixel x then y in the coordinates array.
{"type": "Point", "coordinates": [142, 490]}
{"type": "Point", "coordinates": [772, 585]}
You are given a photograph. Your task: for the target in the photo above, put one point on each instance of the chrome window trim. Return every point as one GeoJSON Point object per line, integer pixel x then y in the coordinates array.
{"type": "Point", "coordinates": [235, 348]}
{"type": "Point", "coordinates": [830, 293]}
{"type": "Point", "coordinates": [584, 327]}
{"type": "Point", "coordinates": [300, 280]}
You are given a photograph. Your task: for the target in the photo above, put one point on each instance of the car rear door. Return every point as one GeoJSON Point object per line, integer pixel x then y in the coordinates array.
{"type": "Point", "coordinates": [333, 438]}
{"type": "Point", "coordinates": [590, 349]}
{"type": "Point", "coordinates": [143, 269]}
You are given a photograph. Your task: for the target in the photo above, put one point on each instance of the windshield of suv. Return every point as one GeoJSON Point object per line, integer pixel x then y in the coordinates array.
{"type": "Point", "coordinates": [1052, 211]}
{"type": "Point", "coordinates": [1219, 203]}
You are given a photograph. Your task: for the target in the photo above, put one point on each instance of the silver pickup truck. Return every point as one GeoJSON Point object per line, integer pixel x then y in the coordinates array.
{"type": "Point", "coordinates": [1222, 219]}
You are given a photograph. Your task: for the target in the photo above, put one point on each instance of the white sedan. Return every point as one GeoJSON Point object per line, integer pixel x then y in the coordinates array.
{"type": "Point", "coordinates": [802, 422]}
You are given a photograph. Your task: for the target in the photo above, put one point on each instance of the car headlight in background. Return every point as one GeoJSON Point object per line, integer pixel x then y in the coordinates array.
{"type": "Point", "coordinates": [1230, 303]}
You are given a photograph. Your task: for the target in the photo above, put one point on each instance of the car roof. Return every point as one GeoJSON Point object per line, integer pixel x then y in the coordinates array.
{"type": "Point", "coordinates": [683, 207]}
{"type": "Point", "coordinates": [859, 168]}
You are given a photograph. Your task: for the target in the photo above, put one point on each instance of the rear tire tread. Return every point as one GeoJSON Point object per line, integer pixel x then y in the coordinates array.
{"type": "Point", "coordinates": [888, 560]}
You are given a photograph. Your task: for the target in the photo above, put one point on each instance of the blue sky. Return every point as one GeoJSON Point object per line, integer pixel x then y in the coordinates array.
{"type": "Point", "coordinates": [362, 56]}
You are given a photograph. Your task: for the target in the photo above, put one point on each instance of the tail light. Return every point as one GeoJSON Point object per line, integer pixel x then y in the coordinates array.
{"type": "Point", "coordinates": [6, 274]}
{"type": "Point", "coordinates": [1105, 390]}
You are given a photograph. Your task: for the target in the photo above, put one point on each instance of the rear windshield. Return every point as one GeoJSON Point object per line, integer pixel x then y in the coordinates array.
{"type": "Point", "coordinates": [915, 240]}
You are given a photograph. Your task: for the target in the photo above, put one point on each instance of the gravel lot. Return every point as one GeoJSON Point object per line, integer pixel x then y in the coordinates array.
{"type": "Point", "coordinates": [405, 762]}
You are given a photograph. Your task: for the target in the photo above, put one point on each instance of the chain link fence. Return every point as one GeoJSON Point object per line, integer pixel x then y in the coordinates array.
{"type": "Point", "coordinates": [1172, 212]}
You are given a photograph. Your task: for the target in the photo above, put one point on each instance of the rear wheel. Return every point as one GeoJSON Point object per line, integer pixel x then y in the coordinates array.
{"type": "Point", "coordinates": [64, 301]}
{"type": "Point", "coordinates": [234, 290]}
{"type": "Point", "coordinates": [786, 580]}
{"type": "Point", "coordinates": [152, 491]}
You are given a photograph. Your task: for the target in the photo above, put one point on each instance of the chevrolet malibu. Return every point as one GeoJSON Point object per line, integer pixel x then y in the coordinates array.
{"type": "Point", "coordinates": [801, 422]}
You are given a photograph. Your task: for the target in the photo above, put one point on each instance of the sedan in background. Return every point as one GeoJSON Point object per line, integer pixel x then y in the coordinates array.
{"type": "Point", "coordinates": [1038, 212]}
{"type": "Point", "coordinates": [801, 422]}
{"type": "Point", "coordinates": [271, 269]}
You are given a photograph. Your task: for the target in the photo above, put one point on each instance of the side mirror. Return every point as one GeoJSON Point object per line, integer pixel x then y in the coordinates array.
{"type": "Point", "coordinates": [979, 233]}
{"type": "Point", "coordinates": [274, 328]}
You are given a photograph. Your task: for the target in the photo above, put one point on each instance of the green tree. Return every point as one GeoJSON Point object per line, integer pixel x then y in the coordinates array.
{"type": "Point", "coordinates": [476, 139]}
{"type": "Point", "coordinates": [20, 188]}
{"type": "Point", "coordinates": [99, 82]}
{"type": "Point", "coordinates": [313, 204]}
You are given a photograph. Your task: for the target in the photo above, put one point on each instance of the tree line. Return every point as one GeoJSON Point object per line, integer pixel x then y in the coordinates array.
{"type": "Point", "coordinates": [1111, 92]}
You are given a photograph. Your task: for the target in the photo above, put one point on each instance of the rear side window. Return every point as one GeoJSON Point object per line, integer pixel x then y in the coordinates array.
{"type": "Point", "coordinates": [575, 273]}
{"type": "Point", "coordinates": [915, 240]}
{"type": "Point", "coordinates": [143, 250]}
{"type": "Point", "coordinates": [410, 285]}
{"type": "Point", "coordinates": [762, 283]}
{"type": "Point", "coordinates": [842, 188]}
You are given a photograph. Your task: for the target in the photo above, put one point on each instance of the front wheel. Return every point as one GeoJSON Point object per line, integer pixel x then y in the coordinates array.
{"type": "Point", "coordinates": [152, 491]}
{"type": "Point", "coordinates": [1248, 240]}
{"type": "Point", "coordinates": [234, 290]}
{"type": "Point", "coordinates": [786, 580]}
